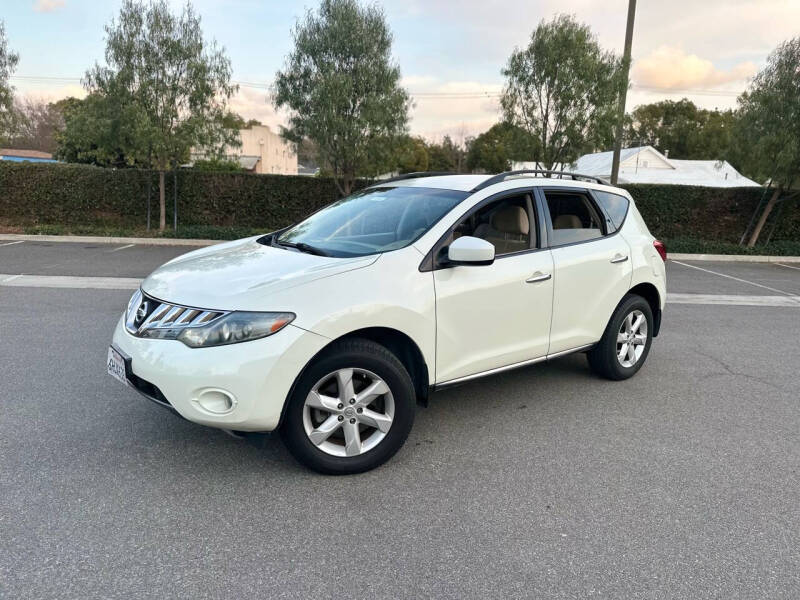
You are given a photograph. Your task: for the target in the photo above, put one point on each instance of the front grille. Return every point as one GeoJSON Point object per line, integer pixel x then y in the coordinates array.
{"type": "Point", "coordinates": [150, 317]}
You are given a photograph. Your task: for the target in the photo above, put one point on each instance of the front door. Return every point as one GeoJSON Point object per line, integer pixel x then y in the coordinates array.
{"type": "Point", "coordinates": [497, 315]}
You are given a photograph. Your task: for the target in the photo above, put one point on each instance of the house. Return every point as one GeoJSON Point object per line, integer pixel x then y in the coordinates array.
{"type": "Point", "coordinates": [262, 151]}
{"type": "Point", "coordinates": [645, 164]}
{"type": "Point", "coordinates": [13, 155]}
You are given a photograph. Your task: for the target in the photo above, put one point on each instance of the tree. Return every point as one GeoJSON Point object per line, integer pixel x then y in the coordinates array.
{"type": "Point", "coordinates": [37, 124]}
{"type": "Point", "coordinates": [447, 156]}
{"type": "Point", "coordinates": [495, 149]}
{"type": "Point", "coordinates": [8, 63]}
{"type": "Point", "coordinates": [412, 155]}
{"type": "Point", "coordinates": [769, 125]}
{"type": "Point", "coordinates": [342, 89]}
{"type": "Point", "coordinates": [163, 91]}
{"type": "Point", "coordinates": [563, 89]}
{"type": "Point", "coordinates": [682, 129]}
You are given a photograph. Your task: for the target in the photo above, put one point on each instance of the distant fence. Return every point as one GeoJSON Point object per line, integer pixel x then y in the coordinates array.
{"type": "Point", "coordinates": [80, 195]}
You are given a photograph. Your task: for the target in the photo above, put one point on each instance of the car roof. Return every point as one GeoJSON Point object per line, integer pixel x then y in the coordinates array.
{"type": "Point", "coordinates": [467, 183]}
{"type": "Point", "coordinates": [464, 183]}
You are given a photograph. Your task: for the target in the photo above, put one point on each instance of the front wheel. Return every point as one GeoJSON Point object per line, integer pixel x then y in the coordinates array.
{"type": "Point", "coordinates": [351, 409]}
{"type": "Point", "coordinates": [625, 344]}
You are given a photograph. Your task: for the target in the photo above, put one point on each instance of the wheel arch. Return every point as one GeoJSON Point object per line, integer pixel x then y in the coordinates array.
{"type": "Point", "coordinates": [651, 294]}
{"type": "Point", "coordinates": [398, 343]}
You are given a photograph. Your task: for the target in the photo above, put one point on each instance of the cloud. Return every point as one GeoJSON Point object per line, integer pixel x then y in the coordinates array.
{"type": "Point", "coordinates": [456, 108]}
{"type": "Point", "coordinates": [668, 68]}
{"type": "Point", "coordinates": [46, 6]}
{"type": "Point", "coordinates": [254, 103]}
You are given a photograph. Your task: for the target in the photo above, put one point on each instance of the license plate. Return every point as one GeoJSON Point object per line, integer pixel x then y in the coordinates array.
{"type": "Point", "coordinates": [116, 365]}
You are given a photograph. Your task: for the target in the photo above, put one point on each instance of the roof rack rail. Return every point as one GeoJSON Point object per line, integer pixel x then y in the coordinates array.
{"type": "Point", "coordinates": [414, 176]}
{"type": "Point", "coordinates": [538, 173]}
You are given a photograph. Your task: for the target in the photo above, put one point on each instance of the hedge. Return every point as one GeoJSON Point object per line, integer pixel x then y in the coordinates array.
{"type": "Point", "coordinates": [74, 196]}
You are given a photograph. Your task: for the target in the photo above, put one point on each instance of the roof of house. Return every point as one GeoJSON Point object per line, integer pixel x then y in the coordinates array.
{"type": "Point", "coordinates": [25, 153]}
{"type": "Point", "coordinates": [708, 173]}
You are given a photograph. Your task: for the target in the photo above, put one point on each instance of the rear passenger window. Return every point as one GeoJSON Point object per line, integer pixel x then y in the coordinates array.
{"type": "Point", "coordinates": [574, 218]}
{"type": "Point", "coordinates": [616, 208]}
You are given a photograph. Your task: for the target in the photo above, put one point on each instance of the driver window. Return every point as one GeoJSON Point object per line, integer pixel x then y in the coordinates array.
{"type": "Point", "coordinates": [504, 223]}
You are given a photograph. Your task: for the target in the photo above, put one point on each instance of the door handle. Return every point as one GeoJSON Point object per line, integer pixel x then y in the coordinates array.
{"type": "Point", "coordinates": [538, 277]}
{"type": "Point", "coordinates": [619, 258]}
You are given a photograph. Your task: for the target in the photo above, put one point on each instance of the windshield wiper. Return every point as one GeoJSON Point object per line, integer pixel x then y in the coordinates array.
{"type": "Point", "coordinates": [303, 247]}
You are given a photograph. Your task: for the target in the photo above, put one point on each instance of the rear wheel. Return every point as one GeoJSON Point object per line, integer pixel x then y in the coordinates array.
{"type": "Point", "coordinates": [625, 344]}
{"type": "Point", "coordinates": [351, 409]}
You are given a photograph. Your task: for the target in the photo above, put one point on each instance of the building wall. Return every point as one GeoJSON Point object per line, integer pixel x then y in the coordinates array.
{"type": "Point", "coordinates": [646, 159]}
{"type": "Point", "coordinates": [277, 157]}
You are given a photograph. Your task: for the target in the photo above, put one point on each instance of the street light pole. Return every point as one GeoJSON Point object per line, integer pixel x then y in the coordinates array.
{"type": "Point", "coordinates": [626, 58]}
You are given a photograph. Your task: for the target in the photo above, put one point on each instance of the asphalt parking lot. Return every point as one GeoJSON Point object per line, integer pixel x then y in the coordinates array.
{"type": "Point", "coordinates": [683, 482]}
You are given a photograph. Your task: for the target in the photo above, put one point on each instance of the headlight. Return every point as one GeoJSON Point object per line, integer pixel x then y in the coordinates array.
{"type": "Point", "coordinates": [233, 328]}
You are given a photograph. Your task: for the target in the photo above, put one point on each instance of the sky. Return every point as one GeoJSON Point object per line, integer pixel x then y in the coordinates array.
{"type": "Point", "coordinates": [450, 52]}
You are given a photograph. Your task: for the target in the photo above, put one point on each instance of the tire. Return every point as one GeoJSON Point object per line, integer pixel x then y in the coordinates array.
{"type": "Point", "coordinates": [604, 358]}
{"type": "Point", "coordinates": [349, 437]}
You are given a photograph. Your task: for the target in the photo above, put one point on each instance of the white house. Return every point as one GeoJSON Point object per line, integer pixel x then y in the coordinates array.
{"type": "Point", "coordinates": [645, 164]}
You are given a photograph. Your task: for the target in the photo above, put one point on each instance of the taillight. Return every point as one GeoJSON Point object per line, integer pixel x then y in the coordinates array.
{"type": "Point", "coordinates": [661, 249]}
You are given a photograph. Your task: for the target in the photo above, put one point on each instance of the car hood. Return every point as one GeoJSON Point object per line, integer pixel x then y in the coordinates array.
{"type": "Point", "coordinates": [241, 275]}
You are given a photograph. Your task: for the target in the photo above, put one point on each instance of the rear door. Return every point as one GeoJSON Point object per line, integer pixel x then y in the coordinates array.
{"type": "Point", "coordinates": [591, 266]}
{"type": "Point", "coordinates": [497, 315]}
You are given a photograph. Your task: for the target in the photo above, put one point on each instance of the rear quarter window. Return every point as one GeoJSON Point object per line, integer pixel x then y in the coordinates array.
{"type": "Point", "coordinates": [615, 207]}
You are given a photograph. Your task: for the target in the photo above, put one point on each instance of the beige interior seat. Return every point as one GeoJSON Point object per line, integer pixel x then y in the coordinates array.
{"type": "Point", "coordinates": [508, 231]}
{"type": "Point", "coordinates": [567, 222]}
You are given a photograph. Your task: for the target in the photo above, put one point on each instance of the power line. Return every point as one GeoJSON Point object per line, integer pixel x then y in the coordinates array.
{"type": "Point", "coordinates": [473, 95]}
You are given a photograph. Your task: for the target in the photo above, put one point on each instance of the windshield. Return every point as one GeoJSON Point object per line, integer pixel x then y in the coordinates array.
{"type": "Point", "coordinates": [372, 221]}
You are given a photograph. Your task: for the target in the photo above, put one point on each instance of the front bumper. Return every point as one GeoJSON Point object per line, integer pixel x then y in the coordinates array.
{"type": "Point", "coordinates": [256, 375]}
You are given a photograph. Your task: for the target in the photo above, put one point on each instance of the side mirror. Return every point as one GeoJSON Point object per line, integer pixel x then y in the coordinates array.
{"type": "Point", "coordinates": [469, 250]}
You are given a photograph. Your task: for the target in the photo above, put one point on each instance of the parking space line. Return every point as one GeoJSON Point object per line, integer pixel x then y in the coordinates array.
{"type": "Point", "coordinates": [733, 300]}
{"type": "Point", "coordinates": [65, 281]}
{"type": "Point", "coordinates": [787, 266]}
{"type": "Point", "coordinates": [12, 243]}
{"type": "Point", "coordinates": [766, 287]}
{"type": "Point", "coordinates": [120, 248]}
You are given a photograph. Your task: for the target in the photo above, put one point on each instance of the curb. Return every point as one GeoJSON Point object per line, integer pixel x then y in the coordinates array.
{"type": "Point", "coordinates": [89, 239]}
{"type": "Point", "coordinates": [92, 239]}
{"type": "Point", "coordinates": [755, 258]}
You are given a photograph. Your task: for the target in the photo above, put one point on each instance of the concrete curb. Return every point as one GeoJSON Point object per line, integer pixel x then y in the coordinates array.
{"type": "Point", "coordinates": [89, 239]}
{"type": "Point", "coordinates": [734, 258]}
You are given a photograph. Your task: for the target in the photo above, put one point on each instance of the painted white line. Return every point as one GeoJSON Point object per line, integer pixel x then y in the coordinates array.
{"type": "Point", "coordinates": [64, 281]}
{"type": "Point", "coordinates": [12, 243]}
{"type": "Point", "coordinates": [733, 300]}
{"type": "Point", "coordinates": [121, 248]}
{"type": "Point", "coordinates": [766, 287]}
{"type": "Point", "coordinates": [787, 266]}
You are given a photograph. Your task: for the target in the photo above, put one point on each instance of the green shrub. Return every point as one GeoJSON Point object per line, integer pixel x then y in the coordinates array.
{"type": "Point", "coordinates": [56, 197]}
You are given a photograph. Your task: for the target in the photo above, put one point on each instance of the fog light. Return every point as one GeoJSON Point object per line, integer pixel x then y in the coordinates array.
{"type": "Point", "coordinates": [216, 401]}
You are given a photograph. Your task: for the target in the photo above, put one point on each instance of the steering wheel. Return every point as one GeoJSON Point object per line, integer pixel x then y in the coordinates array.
{"type": "Point", "coordinates": [362, 244]}
{"type": "Point", "coordinates": [406, 224]}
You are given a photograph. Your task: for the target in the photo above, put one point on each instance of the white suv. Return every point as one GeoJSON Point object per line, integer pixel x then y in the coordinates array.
{"type": "Point", "coordinates": [332, 329]}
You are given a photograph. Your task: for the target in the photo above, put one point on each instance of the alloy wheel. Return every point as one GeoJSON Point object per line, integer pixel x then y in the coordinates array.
{"type": "Point", "coordinates": [348, 412]}
{"type": "Point", "coordinates": [632, 338]}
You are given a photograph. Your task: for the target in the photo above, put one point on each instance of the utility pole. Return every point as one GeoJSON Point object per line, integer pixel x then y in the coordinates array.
{"type": "Point", "coordinates": [626, 59]}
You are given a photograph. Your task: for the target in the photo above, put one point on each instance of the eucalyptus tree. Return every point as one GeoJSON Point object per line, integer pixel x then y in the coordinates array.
{"type": "Point", "coordinates": [769, 126]}
{"type": "Point", "coordinates": [168, 88]}
{"type": "Point", "coordinates": [563, 88]}
{"type": "Point", "coordinates": [342, 89]}
{"type": "Point", "coordinates": [8, 63]}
